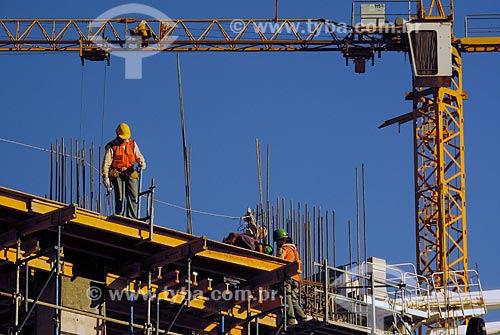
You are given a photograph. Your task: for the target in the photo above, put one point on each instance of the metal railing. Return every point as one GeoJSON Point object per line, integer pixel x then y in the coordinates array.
{"type": "Point", "coordinates": [406, 9]}
{"type": "Point", "coordinates": [482, 25]}
{"type": "Point", "coordinates": [460, 299]}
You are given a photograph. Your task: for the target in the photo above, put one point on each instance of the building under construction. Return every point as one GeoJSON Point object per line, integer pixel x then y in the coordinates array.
{"type": "Point", "coordinates": [68, 266]}
{"type": "Point", "coordinates": [68, 269]}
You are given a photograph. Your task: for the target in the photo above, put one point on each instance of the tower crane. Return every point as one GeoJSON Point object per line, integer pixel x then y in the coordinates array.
{"type": "Point", "coordinates": [437, 93]}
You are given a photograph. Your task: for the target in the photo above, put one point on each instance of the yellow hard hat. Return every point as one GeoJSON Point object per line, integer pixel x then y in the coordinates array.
{"type": "Point", "coordinates": [123, 131]}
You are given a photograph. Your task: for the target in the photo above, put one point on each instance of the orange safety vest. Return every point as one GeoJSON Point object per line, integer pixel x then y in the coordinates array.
{"type": "Point", "coordinates": [291, 254]}
{"type": "Point", "coordinates": [123, 155]}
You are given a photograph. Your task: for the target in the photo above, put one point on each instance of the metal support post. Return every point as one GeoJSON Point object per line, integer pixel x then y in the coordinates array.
{"type": "Point", "coordinates": [149, 326]}
{"type": "Point", "coordinates": [26, 287]}
{"type": "Point", "coordinates": [285, 307]}
{"type": "Point", "coordinates": [57, 316]}
{"type": "Point", "coordinates": [17, 294]}
{"type": "Point", "coordinates": [26, 317]}
{"type": "Point", "coordinates": [326, 289]}
{"type": "Point", "coordinates": [189, 283]}
{"type": "Point", "coordinates": [249, 315]}
{"type": "Point", "coordinates": [157, 327]}
{"type": "Point", "coordinates": [152, 202]}
{"type": "Point", "coordinates": [131, 298]}
{"type": "Point", "coordinates": [138, 200]}
{"type": "Point", "coordinates": [372, 284]}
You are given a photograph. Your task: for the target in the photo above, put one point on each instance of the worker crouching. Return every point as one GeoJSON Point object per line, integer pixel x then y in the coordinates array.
{"type": "Point", "coordinates": [119, 169]}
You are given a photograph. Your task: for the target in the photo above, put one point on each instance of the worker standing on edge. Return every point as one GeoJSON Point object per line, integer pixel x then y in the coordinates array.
{"type": "Point", "coordinates": [118, 169]}
{"type": "Point", "coordinates": [287, 250]}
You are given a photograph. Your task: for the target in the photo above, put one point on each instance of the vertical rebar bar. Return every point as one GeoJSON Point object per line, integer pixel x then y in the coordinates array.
{"type": "Point", "coordinates": [313, 239]}
{"type": "Point", "coordinates": [71, 171]}
{"type": "Point", "coordinates": [57, 171]}
{"type": "Point", "coordinates": [309, 245]}
{"type": "Point", "coordinates": [268, 221]}
{"type": "Point", "coordinates": [364, 211]}
{"type": "Point", "coordinates": [259, 174]}
{"type": "Point", "coordinates": [51, 171]}
{"type": "Point", "coordinates": [63, 171]}
{"type": "Point", "coordinates": [278, 213]}
{"type": "Point", "coordinates": [283, 210]}
{"type": "Point", "coordinates": [350, 244]}
{"type": "Point", "coordinates": [327, 236]}
{"type": "Point", "coordinates": [91, 183]}
{"type": "Point", "coordinates": [322, 253]}
{"type": "Point", "coordinates": [268, 186]}
{"type": "Point", "coordinates": [77, 161]}
{"type": "Point", "coordinates": [334, 232]}
{"type": "Point", "coordinates": [84, 173]}
{"type": "Point", "coordinates": [99, 201]}
{"type": "Point", "coordinates": [358, 224]}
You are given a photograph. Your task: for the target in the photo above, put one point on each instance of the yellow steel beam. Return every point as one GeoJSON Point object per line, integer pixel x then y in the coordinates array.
{"type": "Point", "coordinates": [139, 230]}
{"type": "Point", "coordinates": [199, 302]}
{"type": "Point", "coordinates": [37, 223]}
{"type": "Point", "coordinates": [479, 44]}
{"type": "Point", "coordinates": [95, 39]}
{"type": "Point", "coordinates": [43, 263]}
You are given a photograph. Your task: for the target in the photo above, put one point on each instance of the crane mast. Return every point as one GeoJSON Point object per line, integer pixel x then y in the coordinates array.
{"type": "Point", "coordinates": [438, 126]}
{"type": "Point", "coordinates": [432, 9]}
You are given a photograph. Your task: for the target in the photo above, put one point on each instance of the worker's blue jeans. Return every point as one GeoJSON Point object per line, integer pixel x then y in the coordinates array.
{"type": "Point", "coordinates": [126, 189]}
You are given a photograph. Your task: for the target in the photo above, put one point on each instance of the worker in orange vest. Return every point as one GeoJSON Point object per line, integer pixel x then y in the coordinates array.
{"type": "Point", "coordinates": [287, 250]}
{"type": "Point", "coordinates": [118, 169]}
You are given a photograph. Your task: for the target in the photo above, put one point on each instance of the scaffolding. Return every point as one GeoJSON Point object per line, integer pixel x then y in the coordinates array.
{"type": "Point", "coordinates": [69, 270]}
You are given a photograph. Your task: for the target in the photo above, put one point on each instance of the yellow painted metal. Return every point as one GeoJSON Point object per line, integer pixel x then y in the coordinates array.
{"type": "Point", "coordinates": [440, 179]}
{"type": "Point", "coordinates": [41, 263]}
{"type": "Point", "coordinates": [31, 204]}
{"type": "Point", "coordinates": [237, 259]}
{"type": "Point", "coordinates": [479, 44]}
{"type": "Point", "coordinates": [108, 35]}
{"type": "Point", "coordinates": [9, 202]}
{"type": "Point", "coordinates": [115, 282]}
{"type": "Point", "coordinates": [431, 10]}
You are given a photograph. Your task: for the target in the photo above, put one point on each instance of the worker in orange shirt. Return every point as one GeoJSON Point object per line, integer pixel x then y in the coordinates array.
{"type": "Point", "coordinates": [287, 250]}
{"type": "Point", "coordinates": [118, 169]}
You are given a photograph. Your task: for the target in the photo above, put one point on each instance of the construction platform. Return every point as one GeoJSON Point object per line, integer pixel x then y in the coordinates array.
{"type": "Point", "coordinates": [67, 270]}
{"type": "Point", "coordinates": [118, 275]}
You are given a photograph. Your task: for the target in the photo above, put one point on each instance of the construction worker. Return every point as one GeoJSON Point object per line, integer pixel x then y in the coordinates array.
{"type": "Point", "coordinates": [118, 169]}
{"type": "Point", "coordinates": [287, 250]}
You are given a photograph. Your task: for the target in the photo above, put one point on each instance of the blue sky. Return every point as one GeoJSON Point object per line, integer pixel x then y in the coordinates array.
{"type": "Point", "coordinates": [318, 116]}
